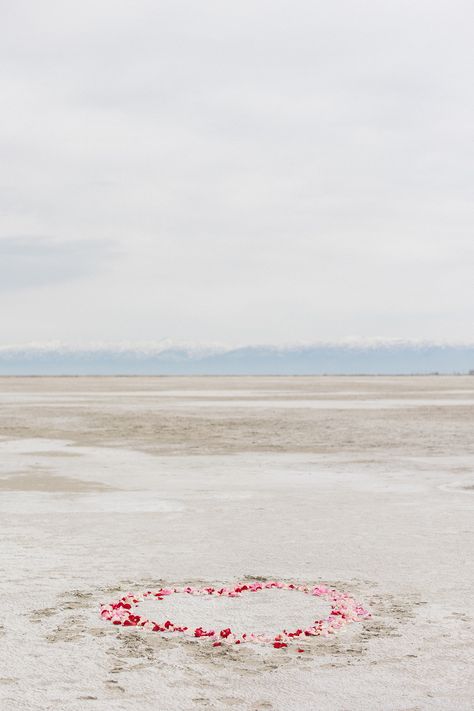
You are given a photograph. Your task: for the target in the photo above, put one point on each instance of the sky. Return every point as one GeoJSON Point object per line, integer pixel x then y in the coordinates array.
{"type": "Point", "coordinates": [251, 172]}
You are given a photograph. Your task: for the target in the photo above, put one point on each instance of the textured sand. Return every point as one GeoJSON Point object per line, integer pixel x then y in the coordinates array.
{"type": "Point", "coordinates": [116, 484]}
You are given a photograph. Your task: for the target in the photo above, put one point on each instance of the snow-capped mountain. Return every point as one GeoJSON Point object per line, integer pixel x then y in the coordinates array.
{"type": "Point", "coordinates": [355, 356]}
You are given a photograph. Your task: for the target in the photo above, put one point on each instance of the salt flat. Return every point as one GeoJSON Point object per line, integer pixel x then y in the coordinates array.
{"type": "Point", "coordinates": [109, 485]}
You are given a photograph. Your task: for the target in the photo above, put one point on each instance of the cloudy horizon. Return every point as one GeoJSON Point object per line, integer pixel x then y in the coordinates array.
{"type": "Point", "coordinates": [261, 173]}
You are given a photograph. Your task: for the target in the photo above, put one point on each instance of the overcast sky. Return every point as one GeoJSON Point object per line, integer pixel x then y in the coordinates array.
{"type": "Point", "coordinates": [240, 172]}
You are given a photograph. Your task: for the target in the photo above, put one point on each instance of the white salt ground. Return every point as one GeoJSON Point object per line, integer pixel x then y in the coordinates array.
{"type": "Point", "coordinates": [264, 612]}
{"type": "Point", "coordinates": [96, 501]}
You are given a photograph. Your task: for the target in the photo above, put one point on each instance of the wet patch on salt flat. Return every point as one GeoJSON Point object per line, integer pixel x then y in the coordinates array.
{"type": "Point", "coordinates": [33, 445]}
{"type": "Point", "coordinates": [31, 502]}
{"type": "Point", "coordinates": [41, 481]}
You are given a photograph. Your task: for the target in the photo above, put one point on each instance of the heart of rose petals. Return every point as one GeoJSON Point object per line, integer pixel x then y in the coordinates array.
{"type": "Point", "coordinates": [344, 609]}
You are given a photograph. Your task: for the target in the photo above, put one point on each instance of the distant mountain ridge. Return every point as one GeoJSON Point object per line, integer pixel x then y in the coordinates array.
{"type": "Point", "coordinates": [365, 357]}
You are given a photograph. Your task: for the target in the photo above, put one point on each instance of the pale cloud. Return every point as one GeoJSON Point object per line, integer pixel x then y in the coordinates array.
{"type": "Point", "coordinates": [31, 262]}
{"type": "Point", "coordinates": [258, 171]}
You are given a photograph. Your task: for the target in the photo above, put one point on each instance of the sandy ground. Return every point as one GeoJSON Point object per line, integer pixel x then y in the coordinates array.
{"type": "Point", "coordinates": [116, 484]}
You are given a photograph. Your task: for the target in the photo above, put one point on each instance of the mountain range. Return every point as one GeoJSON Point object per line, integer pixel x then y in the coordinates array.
{"type": "Point", "coordinates": [365, 357]}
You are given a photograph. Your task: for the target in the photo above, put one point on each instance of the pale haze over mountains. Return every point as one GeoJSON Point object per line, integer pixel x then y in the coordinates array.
{"type": "Point", "coordinates": [354, 357]}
